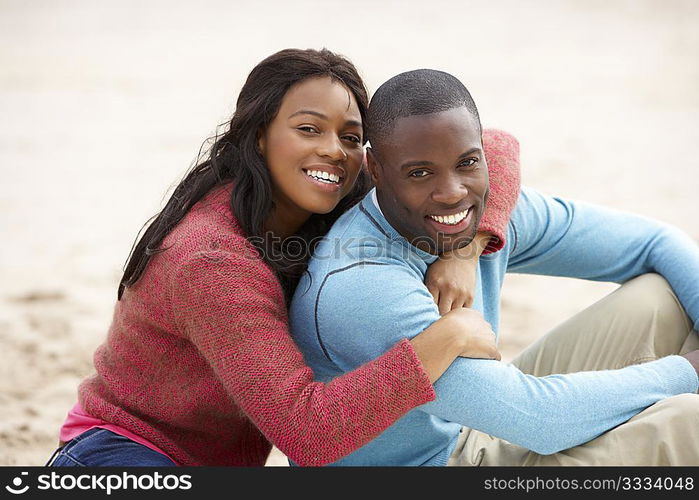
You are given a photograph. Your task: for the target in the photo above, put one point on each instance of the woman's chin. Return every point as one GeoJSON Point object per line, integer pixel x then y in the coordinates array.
{"type": "Point", "coordinates": [321, 205]}
{"type": "Point", "coordinates": [323, 209]}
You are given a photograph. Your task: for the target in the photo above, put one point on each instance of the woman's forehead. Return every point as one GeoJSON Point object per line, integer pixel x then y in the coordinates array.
{"type": "Point", "coordinates": [321, 94]}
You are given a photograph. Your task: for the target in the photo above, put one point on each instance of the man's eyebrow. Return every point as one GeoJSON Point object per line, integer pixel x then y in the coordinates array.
{"type": "Point", "coordinates": [323, 117]}
{"type": "Point", "coordinates": [470, 152]}
{"type": "Point", "coordinates": [409, 164]}
{"type": "Point", "coordinates": [425, 163]}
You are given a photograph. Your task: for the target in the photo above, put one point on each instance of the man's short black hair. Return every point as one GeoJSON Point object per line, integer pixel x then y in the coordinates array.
{"type": "Point", "coordinates": [417, 92]}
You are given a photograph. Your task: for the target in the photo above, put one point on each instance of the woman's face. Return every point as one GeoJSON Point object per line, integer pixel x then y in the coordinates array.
{"type": "Point", "coordinates": [313, 149]}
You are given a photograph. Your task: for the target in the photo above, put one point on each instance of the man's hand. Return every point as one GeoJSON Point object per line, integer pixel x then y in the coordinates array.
{"type": "Point", "coordinates": [451, 279]}
{"type": "Point", "coordinates": [693, 357]}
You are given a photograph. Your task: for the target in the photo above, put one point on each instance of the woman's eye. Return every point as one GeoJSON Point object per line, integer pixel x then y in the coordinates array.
{"type": "Point", "coordinates": [308, 129]}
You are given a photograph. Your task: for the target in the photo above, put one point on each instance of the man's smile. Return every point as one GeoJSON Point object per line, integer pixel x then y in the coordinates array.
{"type": "Point", "coordinates": [452, 218]}
{"type": "Point", "coordinates": [453, 223]}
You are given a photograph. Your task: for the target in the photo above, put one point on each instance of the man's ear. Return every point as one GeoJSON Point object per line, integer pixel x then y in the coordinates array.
{"type": "Point", "coordinates": [373, 166]}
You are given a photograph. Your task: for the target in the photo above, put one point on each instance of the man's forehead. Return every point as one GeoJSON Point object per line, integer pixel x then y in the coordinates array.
{"type": "Point", "coordinates": [455, 130]}
{"type": "Point", "coordinates": [460, 116]}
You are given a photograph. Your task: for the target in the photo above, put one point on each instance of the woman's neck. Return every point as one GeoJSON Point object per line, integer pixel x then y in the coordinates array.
{"type": "Point", "coordinates": [285, 221]}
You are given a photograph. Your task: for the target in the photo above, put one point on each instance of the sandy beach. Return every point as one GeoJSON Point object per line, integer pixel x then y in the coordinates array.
{"type": "Point", "coordinates": [104, 106]}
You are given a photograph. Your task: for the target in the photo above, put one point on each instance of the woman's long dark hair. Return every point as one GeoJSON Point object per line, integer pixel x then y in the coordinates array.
{"type": "Point", "coordinates": [234, 156]}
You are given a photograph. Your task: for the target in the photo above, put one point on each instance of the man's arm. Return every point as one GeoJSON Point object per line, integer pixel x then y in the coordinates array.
{"type": "Point", "coordinates": [558, 237]}
{"type": "Point", "coordinates": [361, 311]}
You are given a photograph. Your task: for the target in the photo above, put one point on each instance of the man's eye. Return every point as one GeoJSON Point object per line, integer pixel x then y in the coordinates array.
{"type": "Point", "coordinates": [468, 162]}
{"type": "Point", "coordinates": [418, 173]}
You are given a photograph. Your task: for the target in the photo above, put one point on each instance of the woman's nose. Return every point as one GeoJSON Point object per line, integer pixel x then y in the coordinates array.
{"type": "Point", "coordinates": [332, 148]}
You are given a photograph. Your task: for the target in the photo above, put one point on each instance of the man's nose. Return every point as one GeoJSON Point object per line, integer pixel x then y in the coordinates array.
{"type": "Point", "coordinates": [450, 191]}
{"type": "Point", "coordinates": [331, 148]}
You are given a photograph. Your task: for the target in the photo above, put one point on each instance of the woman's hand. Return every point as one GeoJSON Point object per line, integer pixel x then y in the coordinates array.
{"type": "Point", "coordinates": [474, 334]}
{"type": "Point", "coordinates": [451, 279]}
{"type": "Point", "coordinates": [461, 332]}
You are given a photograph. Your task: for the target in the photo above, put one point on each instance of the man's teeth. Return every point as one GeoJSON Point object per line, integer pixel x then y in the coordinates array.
{"type": "Point", "coordinates": [319, 175]}
{"type": "Point", "coordinates": [450, 219]}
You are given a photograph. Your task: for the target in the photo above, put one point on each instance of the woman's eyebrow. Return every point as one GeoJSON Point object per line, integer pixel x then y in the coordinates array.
{"type": "Point", "coordinates": [323, 117]}
{"type": "Point", "coordinates": [309, 112]}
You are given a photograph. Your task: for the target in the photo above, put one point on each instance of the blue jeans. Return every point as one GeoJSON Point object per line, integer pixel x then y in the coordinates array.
{"type": "Point", "coordinates": [103, 448]}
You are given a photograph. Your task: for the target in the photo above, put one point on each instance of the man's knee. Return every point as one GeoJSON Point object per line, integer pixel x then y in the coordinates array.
{"type": "Point", "coordinates": [651, 293]}
{"type": "Point", "coordinates": [667, 433]}
{"type": "Point", "coordinates": [683, 407]}
{"type": "Point", "coordinates": [647, 288]}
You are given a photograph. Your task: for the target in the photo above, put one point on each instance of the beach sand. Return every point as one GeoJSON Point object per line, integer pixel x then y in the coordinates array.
{"type": "Point", "coordinates": [105, 105]}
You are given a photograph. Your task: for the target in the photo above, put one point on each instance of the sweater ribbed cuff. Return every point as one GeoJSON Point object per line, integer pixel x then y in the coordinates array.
{"type": "Point", "coordinates": [497, 240]}
{"type": "Point", "coordinates": [678, 374]}
{"type": "Point", "coordinates": [406, 358]}
{"type": "Point", "coordinates": [502, 154]}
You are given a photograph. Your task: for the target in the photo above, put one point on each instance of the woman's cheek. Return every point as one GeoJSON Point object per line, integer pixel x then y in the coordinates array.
{"type": "Point", "coordinates": [353, 179]}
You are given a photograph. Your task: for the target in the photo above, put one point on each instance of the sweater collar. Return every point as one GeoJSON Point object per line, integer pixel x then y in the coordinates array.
{"type": "Point", "coordinates": [371, 209]}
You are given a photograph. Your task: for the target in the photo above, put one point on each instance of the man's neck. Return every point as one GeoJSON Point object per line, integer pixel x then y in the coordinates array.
{"type": "Point", "coordinates": [375, 199]}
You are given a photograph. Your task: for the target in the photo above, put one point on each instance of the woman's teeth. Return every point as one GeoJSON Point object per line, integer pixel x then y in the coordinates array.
{"type": "Point", "coordinates": [323, 176]}
{"type": "Point", "coordinates": [450, 219]}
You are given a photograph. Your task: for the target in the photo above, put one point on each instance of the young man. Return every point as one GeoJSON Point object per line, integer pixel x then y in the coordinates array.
{"type": "Point", "coordinates": [607, 386]}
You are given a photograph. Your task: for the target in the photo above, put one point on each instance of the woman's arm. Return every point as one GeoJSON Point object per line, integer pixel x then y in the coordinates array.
{"type": "Point", "coordinates": [459, 333]}
{"type": "Point", "coordinates": [231, 307]}
{"type": "Point", "coordinates": [502, 155]}
{"type": "Point", "coordinates": [451, 279]}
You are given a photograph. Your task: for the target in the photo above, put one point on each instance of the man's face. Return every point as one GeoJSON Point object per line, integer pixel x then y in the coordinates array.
{"type": "Point", "coordinates": [432, 179]}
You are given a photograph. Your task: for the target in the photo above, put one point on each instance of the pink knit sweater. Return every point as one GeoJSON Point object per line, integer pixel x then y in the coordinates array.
{"type": "Point", "coordinates": [199, 361]}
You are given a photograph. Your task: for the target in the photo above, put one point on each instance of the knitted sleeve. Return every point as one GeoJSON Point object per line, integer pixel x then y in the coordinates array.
{"type": "Point", "coordinates": [231, 307]}
{"type": "Point", "coordinates": [502, 155]}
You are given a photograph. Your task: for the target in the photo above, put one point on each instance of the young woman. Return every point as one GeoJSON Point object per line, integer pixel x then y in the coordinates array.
{"type": "Point", "coordinates": [198, 367]}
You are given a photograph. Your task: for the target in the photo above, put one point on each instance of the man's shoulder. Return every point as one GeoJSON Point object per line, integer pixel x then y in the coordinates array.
{"type": "Point", "coordinates": [354, 239]}
{"type": "Point", "coordinates": [530, 210]}
{"type": "Point", "coordinates": [356, 259]}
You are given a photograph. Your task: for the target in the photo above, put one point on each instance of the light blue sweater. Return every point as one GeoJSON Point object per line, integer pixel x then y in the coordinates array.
{"type": "Point", "coordinates": [365, 291]}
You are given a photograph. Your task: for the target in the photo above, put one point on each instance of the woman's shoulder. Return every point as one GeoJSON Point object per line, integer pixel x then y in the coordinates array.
{"type": "Point", "coordinates": [209, 226]}
{"type": "Point", "coordinates": [207, 245]}
{"type": "Point", "coordinates": [217, 200]}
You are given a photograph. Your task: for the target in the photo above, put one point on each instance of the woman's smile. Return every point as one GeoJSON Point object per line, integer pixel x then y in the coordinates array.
{"type": "Point", "coordinates": [327, 177]}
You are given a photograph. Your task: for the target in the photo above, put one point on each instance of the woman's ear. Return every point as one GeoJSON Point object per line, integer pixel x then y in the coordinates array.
{"type": "Point", "coordinates": [261, 141]}
{"type": "Point", "coordinates": [373, 166]}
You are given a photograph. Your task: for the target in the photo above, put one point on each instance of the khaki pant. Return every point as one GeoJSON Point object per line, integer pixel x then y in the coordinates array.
{"type": "Point", "coordinates": [641, 321]}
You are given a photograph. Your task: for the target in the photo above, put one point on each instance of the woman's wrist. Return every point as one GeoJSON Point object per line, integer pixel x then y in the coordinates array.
{"type": "Point", "coordinates": [437, 347]}
{"type": "Point", "coordinates": [474, 249]}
